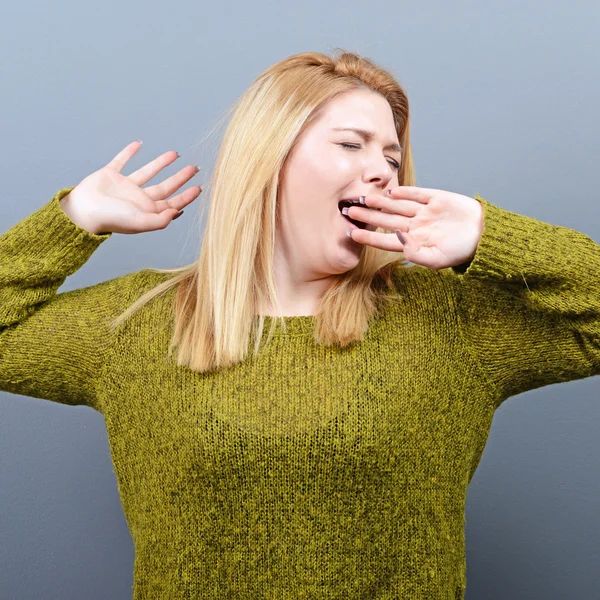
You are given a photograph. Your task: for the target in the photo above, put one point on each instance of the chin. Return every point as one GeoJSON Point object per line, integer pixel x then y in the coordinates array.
{"type": "Point", "coordinates": [350, 260]}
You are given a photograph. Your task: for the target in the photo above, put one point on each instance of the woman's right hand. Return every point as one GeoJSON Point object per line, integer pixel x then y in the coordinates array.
{"type": "Point", "coordinates": [108, 202]}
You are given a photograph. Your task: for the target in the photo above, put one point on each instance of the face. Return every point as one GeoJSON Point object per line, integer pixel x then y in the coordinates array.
{"type": "Point", "coordinates": [326, 166]}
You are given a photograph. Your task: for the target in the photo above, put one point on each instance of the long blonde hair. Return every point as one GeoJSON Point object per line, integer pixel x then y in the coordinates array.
{"type": "Point", "coordinates": [218, 295]}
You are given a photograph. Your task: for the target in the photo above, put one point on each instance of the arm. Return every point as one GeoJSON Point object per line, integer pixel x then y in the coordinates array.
{"type": "Point", "coordinates": [529, 302]}
{"type": "Point", "coordinates": [52, 346]}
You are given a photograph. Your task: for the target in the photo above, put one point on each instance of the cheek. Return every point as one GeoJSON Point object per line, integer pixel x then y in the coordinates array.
{"type": "Point", "coordinates": [312, 171]}
{"type": "Point", "coordinates": [314, 178]}
{"type": "Point", "coordinates": [325, 168]}
{"type": "Point", "coordinates": [335, 165]}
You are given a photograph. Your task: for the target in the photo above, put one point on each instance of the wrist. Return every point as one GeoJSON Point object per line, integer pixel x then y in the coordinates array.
{"type": "Point", "coordinates": [70, 209]}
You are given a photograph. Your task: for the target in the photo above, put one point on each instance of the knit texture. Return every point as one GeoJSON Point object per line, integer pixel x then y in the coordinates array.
{"type": "Point", "coordinates": [308, 472]}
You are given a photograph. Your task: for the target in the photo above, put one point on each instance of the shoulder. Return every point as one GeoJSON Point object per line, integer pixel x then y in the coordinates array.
{"type": "Point", "coordinates": [112, 297]}
{"type": "Point", "coordinates": [416, 278]}
{"type": "Point", "coordinates": [421, 292]}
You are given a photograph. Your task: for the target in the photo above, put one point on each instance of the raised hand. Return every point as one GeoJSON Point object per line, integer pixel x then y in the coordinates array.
{"type": "Point", "coordinates": [440, 229]}
{"type": "Point", "coordinates": [108, 202]}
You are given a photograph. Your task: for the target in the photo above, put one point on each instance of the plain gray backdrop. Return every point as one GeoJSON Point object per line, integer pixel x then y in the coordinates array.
{"type": "Point", "coordinates": [504, 100]}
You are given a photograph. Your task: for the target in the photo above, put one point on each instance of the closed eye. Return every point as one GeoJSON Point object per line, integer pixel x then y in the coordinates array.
{"type": "Point", "coordinates": [357, 147]}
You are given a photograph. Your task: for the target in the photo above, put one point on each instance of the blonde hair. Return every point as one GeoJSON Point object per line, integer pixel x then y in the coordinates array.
{"type": "Point", "coordinates": [218, 295]}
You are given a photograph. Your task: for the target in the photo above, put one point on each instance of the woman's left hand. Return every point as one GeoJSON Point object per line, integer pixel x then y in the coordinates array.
{"type": "Point", "coordinates": [440, 229]}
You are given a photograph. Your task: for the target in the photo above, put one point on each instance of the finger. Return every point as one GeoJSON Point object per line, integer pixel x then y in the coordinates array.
{"type": "Point", "coordinates": [154, 221]}
{"type": "Point", "coordinates": [408, 242]}
{"type": "Point", "coordinates": [169, 186]}
{"type": "Point", "coordinates": [180, 201]}
{"type": "Point", "coordinates": [120, 160]}
{"type": "Point", "coordinates": [407, 208]}
{"type": "Point", "coordinates": [377, 239]}
{"type": "Point", "coordinates": [383, 219]}
{"type": "Point", "coordinates": [150, 170]}
{"type": "Point", "coordinates": [412, 192]}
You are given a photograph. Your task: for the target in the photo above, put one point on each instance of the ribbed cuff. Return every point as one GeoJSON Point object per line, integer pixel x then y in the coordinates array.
{"type": "Point", "coordinates": [50, 232]}
{"type": "Point", "coordinates": [513, 245]}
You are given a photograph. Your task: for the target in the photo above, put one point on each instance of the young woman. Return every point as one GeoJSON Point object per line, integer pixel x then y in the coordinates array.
{"type": "Point", "coordinates": [327, 455]}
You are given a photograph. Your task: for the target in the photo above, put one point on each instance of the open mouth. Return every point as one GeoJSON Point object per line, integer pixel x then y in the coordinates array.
{"type": "Point", "coordinates": [348, 203]}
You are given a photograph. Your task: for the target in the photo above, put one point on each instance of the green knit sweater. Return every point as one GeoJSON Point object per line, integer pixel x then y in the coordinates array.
{"type": "Point", "coordinates": [309, 472]}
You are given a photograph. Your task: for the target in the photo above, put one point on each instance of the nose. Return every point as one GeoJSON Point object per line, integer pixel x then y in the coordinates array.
{"type": "Point", "coordinates": [379, 172]}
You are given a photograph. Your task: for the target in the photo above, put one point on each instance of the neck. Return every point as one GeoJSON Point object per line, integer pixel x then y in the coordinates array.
{"type": "Point", "coordinates": [298, 290]}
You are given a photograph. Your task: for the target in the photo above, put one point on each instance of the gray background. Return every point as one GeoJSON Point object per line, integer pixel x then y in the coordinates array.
{"type": "Point", "coordinates": [505, 103]}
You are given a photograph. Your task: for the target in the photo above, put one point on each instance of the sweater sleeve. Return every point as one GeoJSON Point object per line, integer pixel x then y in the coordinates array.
{"type": "Point", "coordinates": [529, 302]}
{"type": "Point", "coordinates": [52, 346]}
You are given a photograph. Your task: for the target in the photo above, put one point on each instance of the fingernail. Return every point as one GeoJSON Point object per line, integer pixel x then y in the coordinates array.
{"type": "Point", "coordinates": [349, 233]}
{"type": "Point", "coordinates": [388, 192]}
{"type": "Point", "coordinates": [177, 215]}
{"type": "Point", "coordinates": [178, 155]}
{"type": "Point", "coordinates": [140, 142]}
{"type": "Point", "coordinates": [200, 187]}
{"type": "Point", "coordinates": [400, 236]}
{"type": "Point", "coordinates": [362, 200]}
{"type": "Point", "coordinates": [196, 168]}
{"type": "Point", "coordinates": [345, 210]}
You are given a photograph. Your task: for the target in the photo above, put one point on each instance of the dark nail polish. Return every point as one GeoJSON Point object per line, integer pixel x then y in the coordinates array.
{"type": "Point", "coordinates": [177, 215]}
{"type": "Point", "coordinates": [400, 236]}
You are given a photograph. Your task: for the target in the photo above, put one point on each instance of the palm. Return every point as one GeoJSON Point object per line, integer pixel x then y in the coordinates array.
{"type": "Point", "coordinates": [117, 203]}
{"type": "Point", "coordinates": [119, 197]}
{"type": "Point", "coordinates": [442, 231]}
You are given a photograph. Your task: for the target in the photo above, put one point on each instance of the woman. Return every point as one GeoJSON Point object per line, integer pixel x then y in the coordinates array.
{"type": "Point", "coordinates": [333, 460]}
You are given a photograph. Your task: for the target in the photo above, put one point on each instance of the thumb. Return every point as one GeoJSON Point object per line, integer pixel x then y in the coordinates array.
{"type": "Point", "coordinates": [407, 243]}
{"type": "Point", "coordinates": [156, 221]}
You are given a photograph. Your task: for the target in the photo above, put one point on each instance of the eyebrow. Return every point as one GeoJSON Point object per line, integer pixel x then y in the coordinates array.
{"type": "Point", "coordinates": [367, 136]}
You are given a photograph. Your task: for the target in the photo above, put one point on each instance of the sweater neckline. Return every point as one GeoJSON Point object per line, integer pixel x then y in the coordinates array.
{"type": "Point", "coordinates": [297, 324]}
